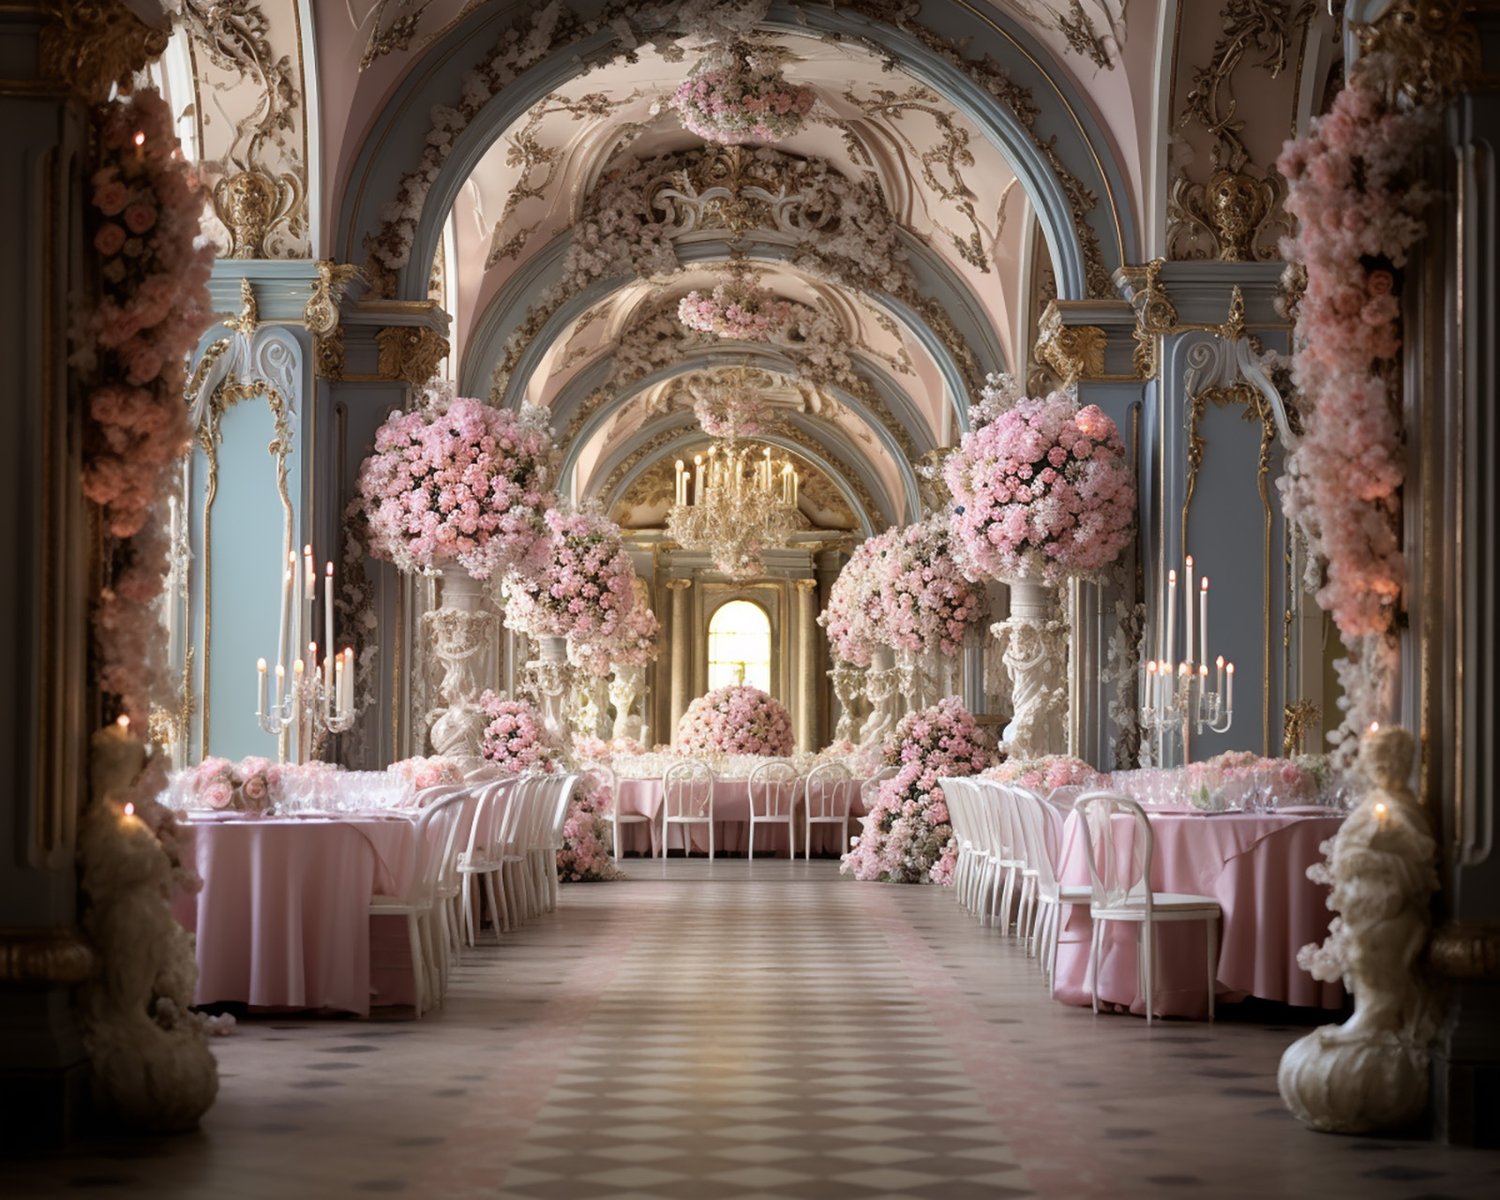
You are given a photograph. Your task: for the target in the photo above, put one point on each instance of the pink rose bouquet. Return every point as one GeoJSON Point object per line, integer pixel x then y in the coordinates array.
{"type": "Point", "coordinates": [907, 836]}
{"type": "Point", "coordinates": [739, 96]}
{"type": "Point", "coordinates": [515, 738]}
{"type": "Point", "coordinates": [1043, 489]}
{"type": "Point", "coordinates": [585, 855]}
{"type": "Point", "coordinates": [585, 590]}
{"type": "Point", "coordinates": [636, 642]}
{"type": "Point", "coordinates": [1051, 771]}
{"type": "Point", "coordinates": [1354, 186]}
{"type": "Point", "coordinates": [738, 719]}
{"type": "Point", "coordinates": [468, 484]}
{"type": "Point", "coordinates": [925, 603]}
{"type": "Point", "coordinates": [422, 773]}
{"type": "Point", "coordinates": [251, 785]}
{"type": "Point", "coordinates": [736, 309]}
{"type": "Point", "coordinates": [852, 617]}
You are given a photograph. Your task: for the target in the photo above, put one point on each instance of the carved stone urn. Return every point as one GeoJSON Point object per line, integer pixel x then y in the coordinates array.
{"type": "Point", "coordinates": [625, 688]}
{"type": "Point", "coordinates": [1370, 1073]}
{"type": "Point", "coordinates": [1034, 648]}
{"type": "Point", "coordinates": [549, 679]}
{"type": "Point", "coordinates": [460, 630]}
{"type": "Point", "coordinates": [881, 682]}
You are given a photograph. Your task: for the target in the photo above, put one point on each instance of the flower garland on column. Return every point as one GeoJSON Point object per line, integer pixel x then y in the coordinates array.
{"type": "Point", "coordinates": [1353, 185]}
{"type": "Point", "coordinates": [151, 1065]}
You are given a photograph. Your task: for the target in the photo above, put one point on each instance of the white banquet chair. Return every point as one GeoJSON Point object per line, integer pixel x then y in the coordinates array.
{"type": "Point", "coordinates": [482, 861]}
{"type": "Point", "coordinates": [608, 778]}
{"type": "Point", "coordinates": [559, 799]}
{"type": "Point", "coordinates": [687, 799]}
{"type": "Point", "coordinates": [1041, 835]}
{"type": "Point", "coordinates": [773, 801]}
{"type": "Point", "coordinates": [962, 804]}
{"type": "Point", "coordinates": [1120, 878]}
{"type": "Point", "coordinates": [827, 799]}
{"type": "Point", "coordinates": [435, 834]}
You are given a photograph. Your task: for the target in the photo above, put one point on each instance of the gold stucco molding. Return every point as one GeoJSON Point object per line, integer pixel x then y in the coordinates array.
{"type": "Point", "coordinates": [91, 47]}
{"type": "Point", "coordinates": [321, 316]}
{"type": "Point", "coordinates": [1421, 50]}
{"type": "Point", "coordinates": [40, 956]}
{"type": "Point", "coordinates": [1071, 352]}
{"type": "Point", "coordinates": [410, 353]}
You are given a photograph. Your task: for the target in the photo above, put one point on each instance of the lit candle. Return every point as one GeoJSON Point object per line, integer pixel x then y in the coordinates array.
{"type": "Point", "coordinates": [1171, 616]}
{"type": "Point", "coordinates": [328, 622]}
{"type": "Point", "coordinates": [298, 669]}
{"type": "Point", "coordinates": [280, 685]}
{"type": "Point", "coordinates": [1229, 698]}
{"type": "Point", "coordinates": [1202, 618]}
{"type": "Point", "coordinates": [338, 685]}
{"type": "Point", "coordinates": [1151, 682]}
{"type": "Point", "coordinates": [1374, 726]}
{"type": "Point", "coordinates": [796, 483]}
{"type": "Point", "coordinates": [698, 476]}
{"type": "Point", "coordinates": [1187, 593]}
{"type": "Point", "coordinates": [260, 692]}
{"type": "Point", "coordinates": [129, 810]}
{"type": "Point", "coordinates": [140, 146]}
{"type": "Point", "coordinates": [681, 483]}
{"type": "Point", "coordinates": [349, 680]}
{"type": "Point", "coordinates": [1382, 813]}
{"type": "Point", "coordinates": [1219, 681]}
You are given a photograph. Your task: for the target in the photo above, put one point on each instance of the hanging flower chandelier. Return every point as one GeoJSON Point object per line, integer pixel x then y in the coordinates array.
{"type": "Point", "coordinates": [728, 406]}
{"type": "Point", "coordinates": [737, 308]}
{"type": "Point", "coordinates": [735, 504]}
{"type": "Point", "coordinates": [739, 95]}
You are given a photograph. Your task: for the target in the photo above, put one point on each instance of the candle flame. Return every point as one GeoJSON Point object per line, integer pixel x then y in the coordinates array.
{"type": "Point", "coordinates": [123, 721]}
{"type": "Point", "coordinates": [129, 810]}
{"type": "Point", "coordinates": [1189, 560]}
{"type": "Point", "coordinates": [140, 137]}
{"type": "Point", "coordinates": [1374, 726]}
{"type": "Point", "coordinates": [1205, 583]}
{"type": "Point", "coordinates": [1219, 662]}
{"type": "Point", "coordinates": [1380, 812]}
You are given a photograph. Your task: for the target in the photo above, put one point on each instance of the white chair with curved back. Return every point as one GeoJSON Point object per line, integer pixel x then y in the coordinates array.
{"type": "Point", "coordinates": [435, 834]}
{"type": "Point", "coordinates": [687, 799]}
{"type": "Point", "coordinates": [606, 777]}
{"type": "Point", "coordinates": [773, 801]}
{"type": "Point", "coordinates": [1120, 878]}
{"type": "Point", "coordinates": [1042, 835]}
{"type": "Point", "coordinates": [559, 799]}
{"type": "Point", "coordinates": [483, 860]}
{"type": "Point", "coordinates": [958, 794]}
{"type": "Point", "coordinates": [828, 799]}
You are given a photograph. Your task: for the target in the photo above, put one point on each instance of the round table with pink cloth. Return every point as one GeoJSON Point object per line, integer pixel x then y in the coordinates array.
{"type": "Point", "coordinates": [1255, 866]}
{"type": "Point", "coordinates": [283, 919]}
{"type": "Point", "coordinates": [731, 822]}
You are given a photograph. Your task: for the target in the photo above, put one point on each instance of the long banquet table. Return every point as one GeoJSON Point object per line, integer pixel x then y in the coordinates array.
{"type": "Point", "coordinates": [731, 821]}
{"type": "Point", "coordinates": [1255, 865]}
{"type": "Point", "coordinates": [283, 918]}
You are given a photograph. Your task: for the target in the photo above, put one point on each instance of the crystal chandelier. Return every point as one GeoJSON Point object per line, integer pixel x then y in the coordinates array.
{"type": "Point", "coordinates": [734, 504]}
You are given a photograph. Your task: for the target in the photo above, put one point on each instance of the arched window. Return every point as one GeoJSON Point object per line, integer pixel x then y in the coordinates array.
{"type": "Point", "coordinates": [739, 646]}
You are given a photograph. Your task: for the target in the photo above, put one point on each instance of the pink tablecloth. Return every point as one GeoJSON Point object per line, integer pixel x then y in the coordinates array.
{"type": "Point", "coordinates": [1255, 866]}
{"type": "Point", "coordinates": [283, 918]}
{"type": "Point", "coordinates": [731, 822]}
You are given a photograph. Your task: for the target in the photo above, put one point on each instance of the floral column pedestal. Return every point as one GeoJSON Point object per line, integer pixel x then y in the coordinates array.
{"type": "Point", "coordinates": [1370, 1073]}
{"type": "Point", "coordinates": [848, 686]}
{"type": "Point", "coordinates": [625, 688]}
{"type": "Point", "coordinates": [881, 682]}
{"type": "Point", "coordinates": [1034, 647]}
{"type": "Point", "coordinates": [589, 702]}
{"type": "Point", "coordinates": [460, 630]}
{"type": "Point", "coordinates": [922, 678]}
{"type": "Point", "coordinates": [547, 678]}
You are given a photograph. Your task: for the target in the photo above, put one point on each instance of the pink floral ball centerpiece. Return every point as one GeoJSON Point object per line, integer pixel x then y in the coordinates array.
{"type": "Point", "coordinates": [635, 642]}
{"type": "Point", "coordinates": [925, 603]}
{"type": "Point", "coordinates": [738, 719]}
{"type": "Point", "coordinates": [465, 484]}
{"type": "Point", "coordinates": [1042, 491]}
{"type": "Point", "coordinates": [250, 786]}
{"type": "Point", "coordinates": [907, 836]}
{"type": "Point", "coordinates": [736, 309]}
{"type": "Point", "coordinates": [852, 617]}
{"type": "Point", "coordinates": [741, 96]}
{"type": "Point", "coordinates": [585, 590]}
{"type": "Point", "coordinates": [515, 738]}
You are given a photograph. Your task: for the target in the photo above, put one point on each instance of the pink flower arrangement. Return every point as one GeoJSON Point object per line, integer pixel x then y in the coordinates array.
{"type": "Point", "coordinates": [636, 642]}
{"type": "Point", "coordinates": [585, 855]}
{"type": "Point", "coordinates": [466, 484]}
{"type": "Point", "coordinates": [1051, 771]}
{"type": "Point", "coordinates": [738, 96]}
{"type": "Point", "coordinates": [515, 738]}
{"type": "Point", "coordinates": [1353, 186]}
{"type": "Point", "coordinates": [852, 617]}
{"type": "Point", "coordinates": [586, 588]}
{"type": "Point", "coordinates": [1228, 777]}
{"type": "Point", "coordinates": [907, 836]}
{"type": "Point", "coordinates": [723, 412]}
{"type": "Point", "coordinates": [422, 773]}
{"type": "Point", "coordinates": [736, 309]}
{"type": "Point", "coordinates": [251, 785]}
{"type": "Point", "coordinates": [1042, 490]}
{"type": "Point", "coordinates": [738, 719]}
{"type": "Point", "coordinates": [924, 602]}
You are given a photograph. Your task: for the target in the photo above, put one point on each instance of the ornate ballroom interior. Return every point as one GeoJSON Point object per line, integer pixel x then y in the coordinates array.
{"type": "Point", "coordinates": [1003, 446]}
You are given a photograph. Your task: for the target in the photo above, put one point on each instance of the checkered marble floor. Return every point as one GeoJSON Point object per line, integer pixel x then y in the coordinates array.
{"type": "Point", "coordinates": [760, 1029]}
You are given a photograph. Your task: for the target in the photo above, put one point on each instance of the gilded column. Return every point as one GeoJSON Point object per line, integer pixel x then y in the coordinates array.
{"type": "Point", "coordinates": [807, 664]}
{"type": "Point", "coordinates": [682, 650]}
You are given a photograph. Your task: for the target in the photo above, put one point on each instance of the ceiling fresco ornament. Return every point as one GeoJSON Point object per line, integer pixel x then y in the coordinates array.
{"type": "Point", "coordinates": [1097, 31]}
{"type": "Point", "coordinates": [260, 189]}
{"type": "Point", "coordinates": [543, 30]}
{"type": "Point", "coordinates": [95, 46]}
{"type": "Point", "coordinates": [1235, 213]}
{"type": "Point", "coordinates": [1431, 48]}
{"type": "Point", "coordinates": [321, 316]}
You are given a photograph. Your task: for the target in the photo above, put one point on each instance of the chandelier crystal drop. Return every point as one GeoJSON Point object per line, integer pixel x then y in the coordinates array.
{"type": "Point", "coordinates": [735, 503]}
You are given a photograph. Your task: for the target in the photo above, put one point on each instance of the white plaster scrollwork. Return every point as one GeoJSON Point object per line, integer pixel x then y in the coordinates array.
{"type": "Point", "coordinates": [1370, 1073]}
{"type": "Point", "coordinates": [548, 681]}
{"type": "Point", "coordinates": [881, 683]}
{"type": "Point", "coordinates": [459, 632]}
{"type": "Point", "coordinates": [1034, 645]}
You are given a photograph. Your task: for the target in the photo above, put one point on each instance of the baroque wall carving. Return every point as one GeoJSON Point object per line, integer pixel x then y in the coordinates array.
{"type": "Point", "coordinates": [94, 46]}
{"type": "Point", "coordinates": [1230, 207]}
